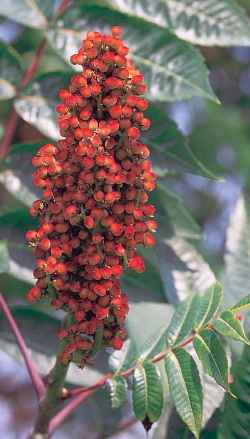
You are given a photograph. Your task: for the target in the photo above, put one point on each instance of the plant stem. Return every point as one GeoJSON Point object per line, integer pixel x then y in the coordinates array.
{"type": "Point", "coordinates": [12, 121]}
{"type": "Point", "coordinates": [65, 412]}
{"type": "Point", "coordinates": [48, 406]}
{"type": "Point", "coordinates": [10, 129]}
{"type": "Point", "coordinates": [63, 6]}
{"type": "Point", "coordinates": [31, 368]}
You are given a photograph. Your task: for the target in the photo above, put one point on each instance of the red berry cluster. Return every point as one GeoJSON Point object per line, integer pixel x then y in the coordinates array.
{"type": "Point", "coordinates": [95, 183]}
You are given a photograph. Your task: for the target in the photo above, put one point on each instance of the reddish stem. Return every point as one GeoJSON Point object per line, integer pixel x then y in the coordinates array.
{"type": "Point", "coordinates": [63, 6]}
{"type": "Point", "coordinates": [32, 370]}
{"type": "Point", "coordinates": [10, 129]}
{"type": "Point", "coordinates": [31, 70]}
{"type": "Point", "coordinates": [80, 394]}
{"type": "Point", "coordinates": [12, 121]}
{"type": "Point", "coordinates": [80, 390]}
{"type": "Point", "coordinates": [58, 419]}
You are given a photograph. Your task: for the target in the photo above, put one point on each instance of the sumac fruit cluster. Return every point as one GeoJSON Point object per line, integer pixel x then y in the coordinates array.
{"type": "Point", "coordinates": [96, 182]}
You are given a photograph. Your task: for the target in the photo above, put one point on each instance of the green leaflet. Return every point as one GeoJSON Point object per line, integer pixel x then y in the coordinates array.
{"type": "Point", "coordinates": [20, 149]}
{"type": "Point", "coordinates": [207, 22]}
{"type": "Point", "coordinates": [242, 305]}
{"type": "Point", "coordinates": [176, 213]}
{"type": "Point", "coordinates": [37, 103]}
{"type": "Point", "coordinates": [236, 414]}
{"type": "Point", "coordinates": [182, 321]}
{"type": "Point", "coordinates": [147, 392]}
{"type": "Point", "coordinates": [236, 279]}
{"type": "Point", "coordinates": [209, 305]}
{"type": "Point", "coordinates": [185, 388]}
{"type": "Point", "coordinates": [212, 356]}
{"type": "Point", "coordinates": [118, 391]}
{"type": "Point", "coordinates": [17, 218]}
{"type": "Point", "coordinates": [170, 148]}
{"type": "Point", "coordinates": [194, 313]}
{"type": "Point", "coordinates": [229, 326]}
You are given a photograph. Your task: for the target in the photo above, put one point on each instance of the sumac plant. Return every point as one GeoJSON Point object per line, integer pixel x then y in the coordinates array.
{"type": "Point", "coordinates": [121, 299]}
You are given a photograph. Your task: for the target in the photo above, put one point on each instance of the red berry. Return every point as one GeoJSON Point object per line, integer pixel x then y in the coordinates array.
{"type": "Point", "coordinates": [137, 264]}
{"type": "Point", "coordinates": [89, 222]}
{"type": "Point", "coordinates": [45, 244]}
{"type": "Point", "coordinates": [102, 313]}
{"type": "Point", "coordinates": [117, 343]}
{"type": "Point", "coordinates": [134, 132]}
{"type": "Point", "coordinates": [33, 294]}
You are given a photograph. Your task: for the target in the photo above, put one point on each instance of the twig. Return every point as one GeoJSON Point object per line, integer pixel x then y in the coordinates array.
{"type": "Point", "coordinates": [68, 410]}
{"type": "Point", "coordinates": [63, 6]}
{"type": "Point", "coordinates": [31, 368]}
{"type": "Point", "coordinates": [10, 129]}
{"type": "Point", "coordinates": [80, 390]}
{"type": "Point", "coordinates": [75, 402]}
{"type": "Point", "coordinates": [125, 373]}
{"type": "Point", "coordinates": [81, 394]}
{"type": "Point", "coordinates": [53, 397]}
{"type": "Point", "coordinates": [12, 121]}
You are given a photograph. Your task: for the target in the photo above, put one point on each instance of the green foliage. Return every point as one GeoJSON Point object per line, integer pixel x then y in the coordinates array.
{"type": "Point", "coordinates": [194, 321]}
{"type": "Point", "coordinates": [209, 305]}
{"type": "Point", "coordinates": [118, 391]}
{"type": "Point", "coordinates": [37, 103]}
{"type": "Point", "coordinates": [173, 69]}
{"type": "Point", "coordinates": [229, 326]}
{"type": "Point", "coordinates": [212, 356]}
{"type": "Point", "coordinates": [236, 415]}
{"type": "Point", "coordinates": [185, 388]}
{"type": "Point", "coordinates": [206, 23]}
{"type": "Point", "coordinates": [147, 392]}
{"type": "Point", "coordinates": [236, 279]}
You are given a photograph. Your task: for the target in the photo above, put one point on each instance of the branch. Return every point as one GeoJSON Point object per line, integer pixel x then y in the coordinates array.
{"type": "Point", "coordinates": [53, 397]}
{"type": "Point", "coordinates": [75, 402]}
{"type": "Point", "coordinates": [31, 70]}
{"type": "Point", "coordinates": [63, 6]}
{"type": "Point", "coordinates": [12, 121]}
{"type": "Point", "coordinates": [49, 404]}
{"type": "Point", "coordinates": [66, 411]}
{"type": "Point", "coordinates": [32, 370]}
